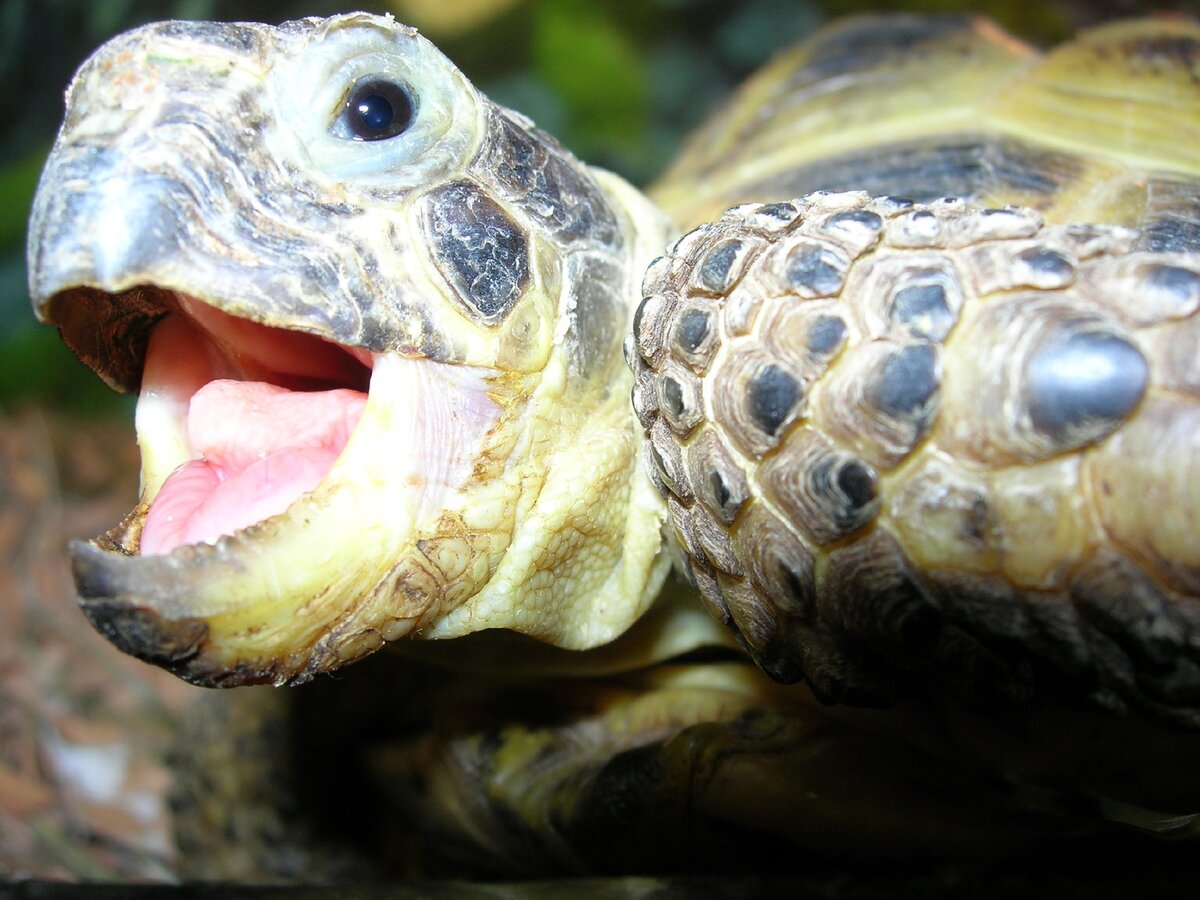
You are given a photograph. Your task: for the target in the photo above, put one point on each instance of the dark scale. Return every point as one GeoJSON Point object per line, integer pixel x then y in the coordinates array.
{"type": "Point", "coordinates": [923, 310]}
{"type": "Point", "coordinates": [1178, 287]}
{"type": "Point", "coordinates": [657, 277]}
{"type": "Point", "coordinates": [855, 231]}
{"type": "Point", "coordinates": [784, 212]}
{"type": "Point", "coordinates": [1046, 268]}
{"type": "Point", "coordinates": [701, 575]}
{"type": "Point", "coordinates": [894, 205]}
{"type": "Point", "coordinates": [668, 457]}
{"type": "Point", "coordinates": [904, 386]}
{"type": "Point", "coordinates": [1171, 233]}
{"type": "Point", "coordinates": [754, 616]}
{"type": "Point", "coordinates": [827, 492]}
{"type": "Point", "coordinates": [718, 489]}
{"type": "Point", "coordinates": [1082, 388]}
{"type": "Point", "coordinates": [672, 396]}
{"type": "Point", "coordinates": [684, 524]}
{"type": "Point", "coordinates": [1006, 222]}
{"type": "Point", "coordinates": [814, 270]}
{"type": "Point", "coordinates": [771, 395]}
{"type": "Point", "coordinates": [716, 272]}
{"type": "Point", "coordinates": [692, 329]}
{"type": "Point", "coordinates": [781, 669]}
{"type": "Point", "coordinates": [644, 397]}
{"type": "Point", "coordinates": [858, 222]}
{"type": "Point", "coordinates": [1119, 598]}
{"type": "Point", "coordinates": [826, 335]}
{"type": "Point", "coordinates": [639, 314]}
{"type": "Point", "coordinates": [846, 489]}
{"type": "Point", "coordinates": [481, 252]}
{"type": "Point", "coordinates": [661, 467]}
{"type": "Point", "coordinates": [919, 229]}
{"type": "Point", "coordinates": [555, 194]}
{"type": "Point", "coordinates": [868, 45]}
{"type": "Point", "coordinates": [649, 322]}
{"type": "Point", "coordinates": [714, 541]}
{"type": "Point", "coordinates": [719, 483]}
{"type": "Point", "coordinates": [857, 483]}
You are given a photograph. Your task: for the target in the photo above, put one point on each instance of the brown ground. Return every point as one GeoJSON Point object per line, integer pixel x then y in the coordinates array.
{"type": "Point", "coordinates": [84, 731]}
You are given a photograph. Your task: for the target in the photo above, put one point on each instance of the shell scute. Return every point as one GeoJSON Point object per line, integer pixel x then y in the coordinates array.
{"type": "Point", "coordinates": [949, 471]}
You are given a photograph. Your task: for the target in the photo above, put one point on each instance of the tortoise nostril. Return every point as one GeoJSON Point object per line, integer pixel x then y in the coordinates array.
{"type": "Point", "coordinates": [108, 235]}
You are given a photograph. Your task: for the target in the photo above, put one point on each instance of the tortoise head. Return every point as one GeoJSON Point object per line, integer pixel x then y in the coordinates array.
{"type": "Point", "coordinates": [373, 318]}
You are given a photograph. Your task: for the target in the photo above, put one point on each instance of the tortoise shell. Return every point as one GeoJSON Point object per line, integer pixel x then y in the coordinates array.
{"type": "Point", "coordinates": [939, 443]}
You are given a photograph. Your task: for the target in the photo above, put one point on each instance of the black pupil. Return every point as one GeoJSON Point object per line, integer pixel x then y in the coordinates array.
{"type": "Point", "coordinates": [375, 112]}
{"type": "Point", "coordinates": [378, 110]}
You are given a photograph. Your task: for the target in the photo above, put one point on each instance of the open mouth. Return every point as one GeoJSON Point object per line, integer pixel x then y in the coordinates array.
{"type": "Point", "coordinates": [237, 420]}
{"type": "Point", "coordinates": [289, 483]}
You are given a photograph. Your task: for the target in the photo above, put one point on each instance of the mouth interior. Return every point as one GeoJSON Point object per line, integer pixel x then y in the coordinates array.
{"type": "Point", "coordinates": [238, 420]}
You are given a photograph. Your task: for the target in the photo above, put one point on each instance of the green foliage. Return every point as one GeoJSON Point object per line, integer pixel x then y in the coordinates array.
{"type": "Point", "coordinates": [596, 70]}
{"type": "Point", "coordinates": [18, 181]}
{"type": "Point", "coordinates": [38, 368]}
{"type": "Point", "coordinates": [35, 366]}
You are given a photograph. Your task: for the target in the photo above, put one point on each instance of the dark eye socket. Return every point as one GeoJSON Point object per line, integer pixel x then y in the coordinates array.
{"type": "Point", "coordinates": [377, 110]}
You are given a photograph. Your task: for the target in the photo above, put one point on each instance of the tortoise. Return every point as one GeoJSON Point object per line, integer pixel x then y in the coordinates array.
{"type": "Point", "coordinates": [859, 518]}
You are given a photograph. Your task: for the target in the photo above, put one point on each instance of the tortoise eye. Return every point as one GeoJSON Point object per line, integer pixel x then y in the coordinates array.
{"type": "Point", "coordinates": [374, 111]}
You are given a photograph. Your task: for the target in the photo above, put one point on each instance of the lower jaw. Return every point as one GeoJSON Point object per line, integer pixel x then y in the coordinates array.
{"type": "Point", "coordinates": [306, 590]}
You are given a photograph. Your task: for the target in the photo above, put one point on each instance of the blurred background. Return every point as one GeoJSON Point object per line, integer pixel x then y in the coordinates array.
{"type": "Point", "coordinates": [85, 734]}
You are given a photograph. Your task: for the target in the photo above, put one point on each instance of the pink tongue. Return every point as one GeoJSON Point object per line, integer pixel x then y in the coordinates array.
{"type": "Point", "coordinates": [261, 447]}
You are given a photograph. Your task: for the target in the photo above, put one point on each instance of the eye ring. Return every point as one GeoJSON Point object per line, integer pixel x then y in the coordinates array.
{"type": "Point", "coordinates": [376, 109]}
